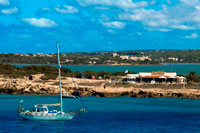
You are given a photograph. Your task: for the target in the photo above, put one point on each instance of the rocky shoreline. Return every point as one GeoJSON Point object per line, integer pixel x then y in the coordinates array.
{"type": "Point", "coordinates": [99, 88]}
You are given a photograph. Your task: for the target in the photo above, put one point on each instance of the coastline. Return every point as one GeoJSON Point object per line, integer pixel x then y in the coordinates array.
{"type": "Point", "coordinates": [112, 64]}
{"type": "Point", "coordinates": [98, 88]}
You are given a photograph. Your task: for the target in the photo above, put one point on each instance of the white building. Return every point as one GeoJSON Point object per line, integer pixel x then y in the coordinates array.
{"type": "Point", "coordinates": [124, 57]}
{"type": "Point", "coordinates": [160, 77]}
{"type": "Point", "coordinates": [132, 76]}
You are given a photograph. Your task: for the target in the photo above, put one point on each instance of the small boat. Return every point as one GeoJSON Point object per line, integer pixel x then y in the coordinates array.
{"type": "Point", "coordinates": [67, 95]}
{"type": "Point", "coordinates": [42, 112]}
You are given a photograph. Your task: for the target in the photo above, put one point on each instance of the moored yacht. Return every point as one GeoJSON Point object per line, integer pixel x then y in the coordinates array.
{"type": "Point", "coordinates": [42, 112]}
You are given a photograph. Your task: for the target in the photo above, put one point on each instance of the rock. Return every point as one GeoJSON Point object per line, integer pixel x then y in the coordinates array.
{"type": "Point", "coordinates": [125, 94]}
{"type": "Point", "coordinates": [133, 95]}
{"type": "Point", "coordinates": [43, 89]}
{"type": "Point", "coordinates": [98, 94]}
{"type": "Point", "coordinates": [141, 92]}
{"type": "Point", "coordinates": [26, 90]}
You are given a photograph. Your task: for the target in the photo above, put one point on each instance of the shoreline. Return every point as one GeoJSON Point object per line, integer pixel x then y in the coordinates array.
{"type": "Point", "coordinates": [123, 96]}
{"type": "Point", "coordinates": [110, 64]}
{"type": "Point", "coordinates": [139, 94]}
{"type": "Point", "coordinates": [98, 88]}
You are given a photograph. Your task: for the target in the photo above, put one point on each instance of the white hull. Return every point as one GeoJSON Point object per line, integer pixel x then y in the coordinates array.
{"type": "Point", "coordinates": [47, 117]}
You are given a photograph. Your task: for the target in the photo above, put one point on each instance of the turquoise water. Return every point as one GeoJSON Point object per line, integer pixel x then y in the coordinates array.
{"type": "Point", "coordinates": [112, 115]}
{"type": "Point", "coordinates": [179, 68]}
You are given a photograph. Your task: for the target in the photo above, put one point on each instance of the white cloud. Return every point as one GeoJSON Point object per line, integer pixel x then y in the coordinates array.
{"type": "Point", "coordinates": [183, 27]}
{"type": "Point", "coordinates": [4, 2]}
{"type": "Point", "coordinates": [158, 29]}
{"type": "Point", "coordinates": [197, 7]}
{"type": "Point", "coordinates": [190, 2]}
{"type": "Point", "coordinates": [102, 8]}
{"type": "Point", "coordinates": [164, 30]}
{"type": "Point", "coordinates": [181, 16]}
{"type": "Point", "coordinates": [66, 9]}
{"type": "Point", "coordinates": [143, 14]}
{"type": "Point", "coordinates": [41, 22]}
{"type": "Point", "coordinates": [192, 36]}
{"type": "Point", "coordinates": [150, 17]}
{"type": "Point", "coordinates": [184, 15]}
{"type": "Point", "coordinates": [115, 24]}
{"type": "Point", "coordinates": [118, 3]}
{"type": "Point", "coordinates": [9, 11]}
{"type": "Point", "coordinates": [157, 23]}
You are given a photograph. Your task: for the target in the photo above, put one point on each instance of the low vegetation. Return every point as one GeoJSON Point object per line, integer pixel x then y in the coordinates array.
{"type": "Point", "coordinates": [52, 73]}
{"type": "Point", "coordinates": [155, 57]}
{"type": "Point", "coordinates": [192, 77]}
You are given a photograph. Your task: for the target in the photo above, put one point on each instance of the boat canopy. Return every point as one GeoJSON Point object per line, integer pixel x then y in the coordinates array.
{"type": "Point", "coordinates": [45, 105]}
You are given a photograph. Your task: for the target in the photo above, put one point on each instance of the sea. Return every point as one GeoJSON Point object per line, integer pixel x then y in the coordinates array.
{"type": "Point", "coordinates": [106, 115]}
{"type": "Point", "coordinates": [181, 69]}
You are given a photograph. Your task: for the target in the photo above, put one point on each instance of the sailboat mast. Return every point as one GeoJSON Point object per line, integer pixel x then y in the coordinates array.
{"type": "Point", "coordinates": [61, 108]}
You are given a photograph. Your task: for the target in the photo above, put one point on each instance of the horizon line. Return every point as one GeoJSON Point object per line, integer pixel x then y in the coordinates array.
{"type": "Point", "coordinates": [142, 50]}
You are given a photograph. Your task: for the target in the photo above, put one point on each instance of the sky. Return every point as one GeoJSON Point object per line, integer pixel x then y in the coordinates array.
{"type": "Point", "coordinates": [34, 26]}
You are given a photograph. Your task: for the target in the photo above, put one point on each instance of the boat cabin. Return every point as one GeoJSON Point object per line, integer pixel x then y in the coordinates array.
{"type": "Point", "coordinates": [39, 108]}
{"type": "Point", "coordinates": [43, 108]}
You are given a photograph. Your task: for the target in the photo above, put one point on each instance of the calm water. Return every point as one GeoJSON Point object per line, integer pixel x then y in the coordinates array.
{"type": "Point", "coordinates": [179, 68]}
{"type": "Point", "coordinates": [113, 115]}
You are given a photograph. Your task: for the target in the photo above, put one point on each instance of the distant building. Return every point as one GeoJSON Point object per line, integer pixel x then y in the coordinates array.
{"type": "Point", "coordinates": [39, 54]}
{"type": "Point", "coordinates": [173, 58]}
{"type": "Point", "coordinates": [114, 54]}
{"type": "Point", "coordinates": [156, 77]}
{"type": "Point", "coordinates": [140, 58]}
{"type": "Point", "coordinates": [132, 76]}
{"type": "Point", "coordinates": [92, 62]}
{"type": "Point", "coordinates": [124, 57]}
{"type": "Point", "coordinates": [48, 55]}
{"type": "Point", "coordinates": [69, 61]}
{"type": "Point", "coordinates": [94, 58]}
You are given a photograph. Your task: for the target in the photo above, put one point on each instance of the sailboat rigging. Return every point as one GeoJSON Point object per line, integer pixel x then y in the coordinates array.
{"type": "Point", "coordinates": [42, 112]}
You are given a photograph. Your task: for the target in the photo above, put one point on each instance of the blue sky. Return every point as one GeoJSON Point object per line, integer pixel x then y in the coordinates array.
{"type": "Point", "coordinates": [33, 26]}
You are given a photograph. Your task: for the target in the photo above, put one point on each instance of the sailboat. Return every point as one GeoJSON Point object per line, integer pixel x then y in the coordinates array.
{"type": "Point", "coordinates": [42, 112]}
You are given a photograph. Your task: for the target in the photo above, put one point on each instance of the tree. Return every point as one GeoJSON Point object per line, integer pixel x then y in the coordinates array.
{"type": "Point", "coordinates": [192, 77]}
